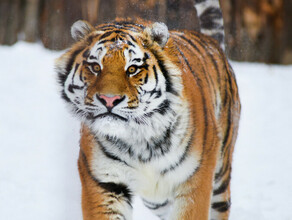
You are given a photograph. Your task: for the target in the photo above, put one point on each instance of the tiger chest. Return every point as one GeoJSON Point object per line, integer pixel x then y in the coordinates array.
{"type": "Point", "coordinates": [152, 181]}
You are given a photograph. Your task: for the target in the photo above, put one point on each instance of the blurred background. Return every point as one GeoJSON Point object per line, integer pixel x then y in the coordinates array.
{"type": "Point", "coordinates": [256, 30]}
{"type": "Point", "coordinates": [39, 139]}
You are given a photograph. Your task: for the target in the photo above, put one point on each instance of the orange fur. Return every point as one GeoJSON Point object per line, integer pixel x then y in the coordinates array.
{"type": "Point", "coordinates": [208, 82]}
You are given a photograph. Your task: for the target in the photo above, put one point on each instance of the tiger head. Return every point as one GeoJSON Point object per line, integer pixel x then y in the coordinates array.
{"type": "Point", "coordinates": [119, 74]}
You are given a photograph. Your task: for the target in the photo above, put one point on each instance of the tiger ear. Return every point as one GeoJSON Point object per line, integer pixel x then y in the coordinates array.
{"type": "Point", "coordinates": [158, 33]}
{"type": "Point", "coordinates": [80, 29]}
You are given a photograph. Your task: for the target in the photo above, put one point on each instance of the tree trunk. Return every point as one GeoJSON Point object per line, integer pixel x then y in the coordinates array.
{"type": "Point", "coordinates": [254, 29]}
{"type": "Point", "coordinates": [10, 20]}
{"type": "Point", "coordinates": [31, 20]}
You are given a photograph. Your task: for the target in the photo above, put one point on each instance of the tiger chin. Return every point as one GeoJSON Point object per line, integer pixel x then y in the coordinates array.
{"type": "Point", "coordinates": [159, 111]}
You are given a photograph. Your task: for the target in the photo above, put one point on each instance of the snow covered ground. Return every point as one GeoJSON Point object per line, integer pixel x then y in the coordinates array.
{"type": "Point", "coordinates": [39, 142]}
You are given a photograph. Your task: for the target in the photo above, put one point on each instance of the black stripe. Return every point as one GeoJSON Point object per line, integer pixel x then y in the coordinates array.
{"type": "Point", "coordinates": [199, 84]}
{"type": "Point", "coordinates": [136, 59]}
{"type": "Point", "coordinates": [146, 78]}
{"type": "Point", "coordinates": [224, 168]}
{"type": "Point", "coordinates": [81, 78]}
{"type": "Point", "coordinates": [76, 68]}
{"type": "Point", "coordinates": [205, 73]}
{"type": "Point", "coordinates": [181, 159]}
{"type": "Point", "coordinates": [221, 206]}
{"type": "Point", "coordinates": [228, 132]}
{"type": "Point", "coordinates": [91, 37]}
{"type": "Point", "coordinates": [84, 159]}
{"type": "Point", "coordinates": [145, 66]}
{"type": "Point", "coordinates": [210, 14]}
{"type": "Point", "coordinates": [108, 154]}
{"type": "Point", "coordinates": [163, 108]}
{"type": "Point", "coordinates": [157, 147]}
{"type": "Point", "coordinates": [64, 96]}
{"type": "Point", "coordinates": [197, 79]}
{"type": "Point", "coordinates": [92, 57]}
{"type": "Point", "coordinates": [132, 51]}
{"type": "Point", "coordinates": [157, 93]}
{"type": "Point", "coordinates": [215, 64]}
{"type": "Point", "coordinates": [110, 40]}
{"type": "Point", "coordinates": [93, 117]}
{"type": "Point", "coordinates": [116, 188]}
{"type": "Point", "coordinates": [211, 25]}
{"type": "Point", "coordinates": [197, 38]}
{"type": "Point", "coordinates": [226, 99]}
{"type": "Point", "coordinates": [62, 78]}
{"type": "Point", "coordinates": [106, 34]}
{"type": "Point", "coordinates": [72, 87]}
{"type": "Point", "coordinates": [230, 76]}
{"type": "Point", "coordinates": [191, 43]}
{"type": "Point", "coordinates": [205, 44]}
{"type": "Point", "coordinates": [113, 27]}
{"type": "Point", "coordinates": [121, 145]}
{"type": "Point", "coordinates": [72, 59]}
{"type": "Point", "coordinates": [86, 54]}
{"type": "Point", "coordinates": [169, 85]}
{"type": "Point", "coordinates": [156, 76]}
{"type": "Point", "coordinates": [130, 24]}
{"type": "Point", "coordinates": [123, 25]}
{"type": "Point", "coordinates": [154, 206]}
{"type": "Point", "coordinates": [146, 57]}
{"type": "Point", "coordinates": [223, 187]}
{"type": "Point", "coordinates": [130, 43]}
{"type": "Point", "coordinates": [133, 39]}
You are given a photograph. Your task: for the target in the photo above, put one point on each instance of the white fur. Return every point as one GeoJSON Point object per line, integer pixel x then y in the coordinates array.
{"type": "Point", "coordinates": [201, 7]}
{"type": "Point", "coordinates": [160, 32]}
{"type": "Point", "coordinates": [218, 106]}
{"type": "Point", "coordinates": [98, 52]}
{"type": "Point", "coordinates": [80, 29]}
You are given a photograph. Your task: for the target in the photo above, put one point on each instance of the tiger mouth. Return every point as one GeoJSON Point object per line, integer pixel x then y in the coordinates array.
{"type": "Point", "coordinates": [108, 114]}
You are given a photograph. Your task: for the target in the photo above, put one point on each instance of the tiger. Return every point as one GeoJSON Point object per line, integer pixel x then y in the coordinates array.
{"type": "Point", "coordinates": [159, 113]}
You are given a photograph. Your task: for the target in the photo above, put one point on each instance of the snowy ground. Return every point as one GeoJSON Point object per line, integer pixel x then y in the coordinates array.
{"type": "Point", "coordinates": [39, 142]}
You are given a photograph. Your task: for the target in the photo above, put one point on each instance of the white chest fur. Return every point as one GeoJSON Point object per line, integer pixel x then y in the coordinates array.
{"type": "Point", "coordinates": [155, 180]}
{"type": "Point", "coordinates": [147, 180]}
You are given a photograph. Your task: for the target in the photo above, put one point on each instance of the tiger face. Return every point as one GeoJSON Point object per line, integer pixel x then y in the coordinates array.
{"type": "Point", "coordinates": [118, 77]}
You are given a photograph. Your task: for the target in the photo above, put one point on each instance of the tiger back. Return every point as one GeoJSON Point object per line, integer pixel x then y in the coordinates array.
{"type": "Point", "coordinates": [159, 112]}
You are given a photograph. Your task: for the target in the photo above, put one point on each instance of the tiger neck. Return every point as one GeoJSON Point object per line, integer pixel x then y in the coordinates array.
{"type": "Point", "coordinates": [143, 143]}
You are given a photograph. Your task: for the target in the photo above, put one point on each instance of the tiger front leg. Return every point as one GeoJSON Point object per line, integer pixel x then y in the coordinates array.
{"type": "Point", "coordinates": [194, 196]}
{"type": "Point", "coordinates": [100, 200]}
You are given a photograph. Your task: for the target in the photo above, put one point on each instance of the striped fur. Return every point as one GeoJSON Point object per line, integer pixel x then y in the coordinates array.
{"type": "Point", "coordinates": [159, 112]}
{"type": "Point", "coordinates": [211, 20]}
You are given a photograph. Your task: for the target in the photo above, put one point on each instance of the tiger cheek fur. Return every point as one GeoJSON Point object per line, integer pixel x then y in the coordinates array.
{"type": "Point", "coordinates": [159, 111]}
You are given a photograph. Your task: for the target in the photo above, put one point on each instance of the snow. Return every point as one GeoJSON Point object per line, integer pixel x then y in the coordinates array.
{"type": "Point", "coordinates": [39, 142]}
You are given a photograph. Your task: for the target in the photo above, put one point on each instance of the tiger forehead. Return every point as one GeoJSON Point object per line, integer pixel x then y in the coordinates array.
{"type": "Point", "coordinates": [117, 39]}
{"type": "Point", "coordinates": [118, 44]}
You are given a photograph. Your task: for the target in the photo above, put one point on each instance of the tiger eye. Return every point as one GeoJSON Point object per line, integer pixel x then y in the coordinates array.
{"type": "Point", "coordinates": [132, 69]}
{"type": "Point", "coordinates": [95, 67]}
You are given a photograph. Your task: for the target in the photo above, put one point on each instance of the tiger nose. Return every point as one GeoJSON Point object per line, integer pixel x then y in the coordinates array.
{"type": "Point", "coordinates": [110, 100]}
